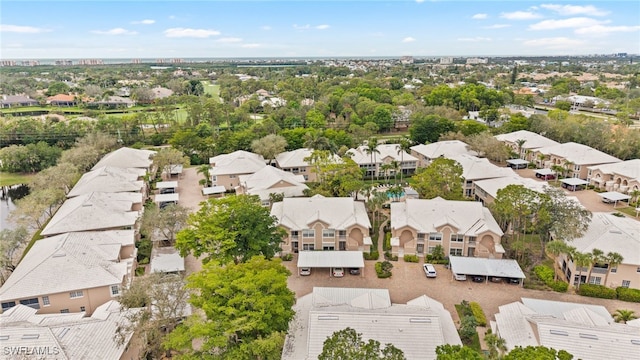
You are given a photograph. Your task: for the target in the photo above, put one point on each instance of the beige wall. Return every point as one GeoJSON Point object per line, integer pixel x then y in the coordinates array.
{"type": "Point", "coordinates": [423, 161]}
{"type": "Point", "coordinates": [614, 279]}
{"type": "Point", "coordinates": [353, 239]}
{"type": "Point", "coordinates": [483, 246]}
{"type": "Point", "coordinates": [630, 183]}
{"type": "Point", "coordinates": [306, 171]}
{"type": "Point", "coordinates": [228, 181]}
{"type": "Point", "coordinates": [91, 299]}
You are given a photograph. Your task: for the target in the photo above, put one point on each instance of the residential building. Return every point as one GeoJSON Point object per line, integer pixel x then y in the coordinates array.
{"type": "Point", "coordinates": [8, 101]}
{"type": "Point", "coordinates": [110, 179]}
{"type": "Point", "coordinates": [67, 336]}
{"type": "Point", "coordinates": [486, 191]}
{"type": "Point", "coordinates": [380, 162]}
{"type": "Point", "coordinates": [73, 272]}
{"type": "Point", "coordinates": [127, 158]}
{"type": "Point", "coordinates": [226, 169]}
{"type": "Point", "coordinates": [622, 176]}
{"type": "Point", "coordinates": [462, 228]}
{"type": "Point", "coordinates": [96, 211]}
{"type": "Point", "coordinates": [62, 100]}
{"type": "Point", "coordinates": [112, 102]}
{"type": "Point", "coordinates": [426, 153]}
{"type": "Point", "coordinates": [475, 169]}
{"type": "Point", "coordinates": [271, 180]}
{"type": "Point", "coordinates": [585, 331]}
{"type": "Point", "coordinates": [323, 224]}
{"type": "Point", "coordinates": [418, 327]}
{"type": "Point", "coordinates": [608, 233]}
{"type": "Point", "coordinates": [294, 162]}
{"type": "Point", "coordinates": [530, 142]}
{"type": "Point", "coordinates": [574, 157]}
{"type": "Point", "coordinates": [161, 92]}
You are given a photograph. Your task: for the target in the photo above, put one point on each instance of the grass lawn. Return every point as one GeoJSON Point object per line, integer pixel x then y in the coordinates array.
{"type": "Point", "coordinates": [8, 179]}
{"type": "Point", "coordinates": [474, 342]}
{"type": "Point", "coordinates": [211, 89]}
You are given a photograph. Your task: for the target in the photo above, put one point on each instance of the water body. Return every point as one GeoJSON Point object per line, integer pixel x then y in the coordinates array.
{"type": "Point", "coordinates": [7, 195]}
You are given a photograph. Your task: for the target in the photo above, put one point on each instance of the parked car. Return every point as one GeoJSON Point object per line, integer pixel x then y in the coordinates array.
{"type": "Point", "coordinates": [338, 272]}
{"type": "Point", "coordinates": [514, 281]}
{"type": "Point", "coordinates": [460, 277]}
{"type": "Point", "coordinates": [167, 191]}
{"type": "Point", "coordinates": [305, 271]}
{"type": "Point", "coordinates": [429, 270]}
{"type": "Point", "coordinates": [354, 271]}
{"type": "Point", "coordinates": [495, 279]}
{"type": "Point", "coordinates": [477, 278]}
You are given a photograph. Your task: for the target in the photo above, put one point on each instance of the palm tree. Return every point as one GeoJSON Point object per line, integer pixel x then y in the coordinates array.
{"type": "Point", "coordinates": [204, 170]}
{"type": "Point", "coordinates": [520, 143]}
{"type": "Point", "coordinates": [580, 260]}
{"type": "Point", "coordinates": [404, 146]}
{"type": "Point", "coordinates": [395, 166]}
{"type": "Point", "coordinates": [497, 345]}
{"type": "Point", "coordinates": [315, 140]}
{"type": "Point", "coordinates": [566, 166]}
{"type": "Point", "coordinates": [384, 169]}
{"type": "Point", "coordinates": [614, 259]}
{"type": "Point", "coordinates": [595, 257]}
{"type": "Point", "coordinates": [558, 170]}
{"type": "Point", "coordinates": [555, 248]}
{"type": "Point", "coordinates": [635, 195]}
{"type": "Point", "coordinates": [623, 315]}
{"type": "Point", "coordinates": [542, 157]}
{"type": "Point", "coordinates": [371, 149]}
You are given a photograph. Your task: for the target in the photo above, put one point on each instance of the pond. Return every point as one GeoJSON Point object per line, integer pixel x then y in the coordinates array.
{"type": "Point", "coordinates": [8, 194]}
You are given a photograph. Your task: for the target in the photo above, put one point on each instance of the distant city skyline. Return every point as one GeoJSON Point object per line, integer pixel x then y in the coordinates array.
{"type": "Point", "coordinates": [284, 29]}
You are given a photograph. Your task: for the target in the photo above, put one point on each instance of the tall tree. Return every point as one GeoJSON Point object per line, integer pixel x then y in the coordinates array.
{"type": "Point", "coordinates": [11, 242]}
{"type": "Point", "coordinates": [426, 129]}
{"type": "Point", "coordinates": [580, 260]}
{"type": "Point", "coordinates": [269, 146]}
{"type": "Point", "coordinates": [166, 157]}
{"type": "Point", "coordinates": [314, 139]}
{"type": "Point", "coordinates": [371, 148]}
{"type": "Point", "coordinates": [205, 171]}
{"type": "Point", "coordinates": [457, 352]}
{"type": "Point", "coordinates": [595, 257]}
{"type": "Point", "coordinates": [443, 178]}
{"type": "Point", "coordinates": [347, 344]}
{"type": "Point", "coordinates": [555, 248]}
{"type": "Point", "coordinates": [164, 224]}
{"type": "Point", "coordinates": [233, 228]}
{"type": "Point", "coordinates": [404, 146]}
{"type": "Point", "coordinates": [537, 352]}
{"type": "Point", "coordinates": [497, 345]}
{"type": "Point", "coordinates": [613, 259]}
{"type": "Point", "coordinates": [245, 312]}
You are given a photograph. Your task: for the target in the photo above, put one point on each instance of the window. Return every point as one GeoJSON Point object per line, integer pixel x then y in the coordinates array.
{"type": "Point", "coordinates": [626, 283]}
{"type": "Point", "coordinates": [431, 249]}
{"type": "Point", "coordinates": [455, 252]}
{"type": "Point", "coordinates": [594, 280]}
{"type": "Point", "coordinates": [294, 234]}
{"type": "Point", "coordinates": [45, 301]}
{"type": "Point", "coordinates": [435, 237]}
{"type": "Point", "coordinates": [307, 247]}
{"type": "Point", "coordinates": [420, 236]}
{"type": "Point", "coordinates": [328, 233]}
{"type": "Point", "coordinates": [64, 311]}
{"type": "Point", "coordinates": [638, 269]}
{"type": "Point", "coordinates": [457, 237]}
{"type": "Point", "coordinates": [32, 303]}
{"type": "Point", "coordinates": [82, 309]}
{"type": "Point", "coordinates": [329, 248]}
{"type": "Point", "coordinates": [8, 305]}
{"type": "Point", "coordinates": [576, 167]}
{"type": "Point", "coordinates": [115, 290]}
{"type": "Point", "coordinates": [614, 269]}
{"type": "Point", "coordinates": [232, 176]}
{"type": "Point", "coordinates": [308, 233]}
{"type": "Point", "coordinates": [214, 178]}
{"type": "Point", "coordinates": [266, 202]}
{"type": "Point", "coordinates": [76, 294]}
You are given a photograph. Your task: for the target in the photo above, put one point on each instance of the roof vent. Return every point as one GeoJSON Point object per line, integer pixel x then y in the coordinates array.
{"type": "Point", "coordinates": [558, 332]}
{"type": "Point", "coordinates": [30, 336]}
{"type": "Point", "coordinates": [6, 337]}
{"type": "Point", "coordinates": [635, 342]}
{"type": "Point", "coordinates": [589, 336]}
{"type": "Point", "coordinates": [328, 317]}
{"type": "Point", "coordinates": [420, 320]}
{"type": "Point", "coordinates": [615, 231]}
{"type": "Point", "coordinates": [58, 254]}
{"type": "Point", "coordinates": [63, 332]}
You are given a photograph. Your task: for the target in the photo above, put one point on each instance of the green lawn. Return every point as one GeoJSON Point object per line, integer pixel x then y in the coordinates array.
{"type": "Point", "coordinates": [211, 89]}
{"type": "Point", "coordinates": [8, 179]}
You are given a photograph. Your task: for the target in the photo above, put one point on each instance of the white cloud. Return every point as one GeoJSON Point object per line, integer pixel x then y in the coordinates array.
{"type": "Point", "coordinates": [266, 27]}
{"type": "Point", "coordinates": [114, 31]}
{"type": "Point", "coordinates": [520, 15]}
{"type": "Point", "coordinates": [475, 39]}
{"type": "Point", "coordinates": [251, 46]}
{"type": "Point", "coordinates": [497, 26]}
{"type": "Point", "coordinates": [193, 33]}
{"type": "Point", "coordinates": [301, 27]}
{"type": "Point", "coordinates": [554, 43]}
{"type": "Point", "coordinates": [419, 1]}
{"type": "Point", "coordinates": [172, 17]}
{"type": "Point", "coordinates": [479, 16]}
{"type": "Point", "coordinates": [22, 29]}
{"type": "Point", "coordinates": [602, 29]}
{"type": "Point", "coordinates": [323, 27]}
{"type": "Point", "coordinates": [229, 40]}
{"type": "Point", "coordinates": [144, 22]}
{"type": "Point", "coordinates": [577, 22]}
{"type": "Point", "coordinates": [408, 39]}
{"type": "Point", "coordinates": [569, 10]}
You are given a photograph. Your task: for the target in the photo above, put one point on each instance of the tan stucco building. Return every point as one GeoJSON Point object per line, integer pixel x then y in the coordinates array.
{"type": "Point", "coordinates": [622, 177]}
{"type": "Point", "coordinates": [226, 169]}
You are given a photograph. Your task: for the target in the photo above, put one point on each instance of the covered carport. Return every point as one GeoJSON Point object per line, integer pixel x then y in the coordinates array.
{"type": "Point", "coordinates": [573, 183]}
{"type": "Point", "coordinates": [502, 268]}
{"type": "Point", "coordinates": [164, 199]}
{"type": "Point", "coordinates": [614, 197]}
{"type": "Point", "coordinates": [331, 259]}
{"type": "Point", "coordinates": [545, 174]}
{"type": "Point", "coordinates": [517, 163]}
{"type": "Point", "coordinates": [167, 187]}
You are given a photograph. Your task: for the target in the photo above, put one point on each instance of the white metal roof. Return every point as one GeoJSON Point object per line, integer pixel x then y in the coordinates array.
{"type": "Point", "coordinates": [74, 337]}
{"type": "Point", "coordinates": [445, 149]}
{"type": "Point", "coordinates": [385, 151]}
{"type": "Point", "coordinates": [486, 267]}
{"type": "Point", "coordinates": [579, 154]}
{"type": "Point", "coordinates": [166, 185]}
{"type": "Point", "coordinates": [166, 259]}
{"type": "Point", "coordinates": [160, 198]}
{"type": "Point", "coordinates": [475, 168]}
{"type": "Point", "coordinates": [72, 261]}
{"type": "Point", "coordinates": [532, 140]}
{"type": "Point", "coordinates": [109, 179]}
{"type": "Point", "coordinates": [332, 296]}
{"type": "Point", "coordinates": [574, 181]}
{"type": "Point", "coordinates": [427, 216]}
{"type": "Point", "coordinates": [270, 179]}
{"type": "Point", "coordinates": [491, 186]}
{"type": "Point", "coordinates": [337, 213]}
{"type": "Point", "coordinates": [94, 211]}
{"type": "Point", "coordinates": [629, 169]}
{"type": "Point", "coordinates": [614, 196]}
{"type": "Point", "coordinates": [237, 162]}
{"type": "Point", "coordinates": [127, 158]}
{"type": "Point", "coordinates": [545, 171]}
{"type": "Point", "coordinates": [517, 161]}
{"type": "Point", "coordinates": [330, 259]}
{"type": "Point", "coordinates": [214, 190]}
{"type": "Point", "coordinates": [558, 309]}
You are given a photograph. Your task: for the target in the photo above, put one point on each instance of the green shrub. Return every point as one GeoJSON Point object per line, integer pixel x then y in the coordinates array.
{"type": "Point", "coordinates": [387, 241]}
{"type": "Point", "coordinates": [374, 255]}
{"type": "Point", "coordinates": [389, 256]}
{"type": "Point", "coordinates": [383, 269]}
{"type": "Point", "coordinates": [545, 274]}
{"type": "Point", "coordinates": [597, 291]}
{"type": "Point", "coordinates": [140, 271]}
{"type": "Point", "coordinates": [559, 286]}
{"type": "Point", "coordinates": [626, 294]}
{"type": "Point", "coordinates": [481, 319]}
{"type": "Point", "coordinates": [287, 257]}
{"type": "Point", "coordinates": [411, 258]}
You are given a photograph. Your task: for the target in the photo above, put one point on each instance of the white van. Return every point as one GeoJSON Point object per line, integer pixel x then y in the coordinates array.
{"type": "Point", "coordinates": [429, 270]}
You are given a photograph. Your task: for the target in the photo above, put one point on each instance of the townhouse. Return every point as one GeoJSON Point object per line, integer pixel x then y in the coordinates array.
{"type": "Point", "coordinates": [226, 169]}
{"type": "Point", "coordinates": [110, 179]}
{"type": "Point", "coordinates": [575, 158]}
{"type": "Point", "coordinates": [622, 176]}
{"type": "Point", "coordinates": [524, 142]}
{"type": "Point", "coordinates": [271, 180]}
{"type": "Point", "coordinates": [379, 162]}
{"type": "Point", "coordinates": [475, 169]}
{"type": "Point", "coordinates": [426, 153]}
{"type": "Point", "coordinates": [297, 162]}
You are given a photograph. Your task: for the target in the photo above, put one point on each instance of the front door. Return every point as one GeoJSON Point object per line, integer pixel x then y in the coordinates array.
{"type": "Point", "coordinates": [420, 249]}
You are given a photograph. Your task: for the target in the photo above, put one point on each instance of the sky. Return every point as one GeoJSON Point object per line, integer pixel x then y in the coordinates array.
{"type": "Point", "coordinates": [330, 28]}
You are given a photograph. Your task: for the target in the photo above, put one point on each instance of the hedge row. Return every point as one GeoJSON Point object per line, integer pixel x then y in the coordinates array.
{"type": "Point", "coordinates": [374, 255]}
{"type": "Point", "coordinates": [597, 291]}
{"type": "Point", "coordinates": [481, 319]}
{"type": "Point", "coordinates": [626, 294]}
{"type": "Point", "coordinates": [546, 274]}
{"type": "Point", "coordinates": [411, 258]}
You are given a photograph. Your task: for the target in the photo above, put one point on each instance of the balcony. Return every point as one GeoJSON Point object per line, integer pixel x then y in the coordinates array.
{"type": "Point", "coordinates": [471, 243]}
{"type": "Point", "coordinates": [598, 270]}
{"type": "Point", "coordinates": [295, 237]}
